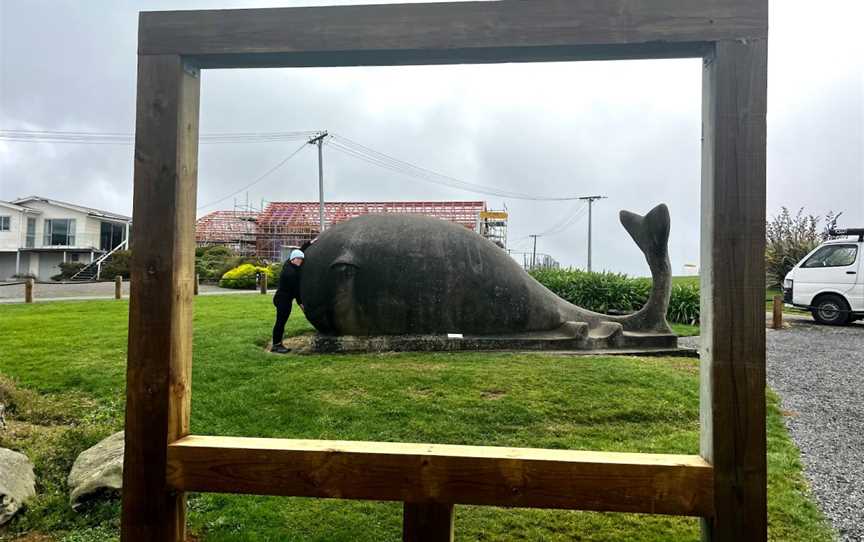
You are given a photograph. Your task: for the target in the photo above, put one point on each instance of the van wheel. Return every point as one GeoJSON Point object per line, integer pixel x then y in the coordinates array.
{"type": "Point", "coordinates": [831, 310]}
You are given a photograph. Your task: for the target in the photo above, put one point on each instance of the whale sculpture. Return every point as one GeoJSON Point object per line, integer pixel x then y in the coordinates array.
{"type": "Point", "coordinates": [396, 274]}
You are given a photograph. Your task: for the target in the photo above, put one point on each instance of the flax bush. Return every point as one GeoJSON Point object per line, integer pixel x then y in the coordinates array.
{"type": "Point", "coordinates": [616, 292]}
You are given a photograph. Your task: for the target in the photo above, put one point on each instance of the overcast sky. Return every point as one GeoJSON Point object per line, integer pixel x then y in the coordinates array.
{"type": "Point", "coordinates": [627, 130]}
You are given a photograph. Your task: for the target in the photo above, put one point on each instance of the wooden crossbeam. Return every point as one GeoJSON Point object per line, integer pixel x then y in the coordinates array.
{"type": "Point", "coordinates": [437, 473]}
{"type": "Point", "coordinates": [459, 32]}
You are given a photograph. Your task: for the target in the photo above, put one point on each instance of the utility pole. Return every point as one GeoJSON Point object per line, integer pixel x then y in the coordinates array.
{"type": "Point", "coordinates": [319, 140]}
{"type": "Point", "coordinates": [534, 253]}
{"type": "Point", "coordinates": [590, 200]}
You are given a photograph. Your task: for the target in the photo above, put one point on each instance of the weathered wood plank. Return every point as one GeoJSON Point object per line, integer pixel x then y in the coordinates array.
{"type": "Point", "coordinates": [160, 311]}
{"type": "Point", "coordinates": [459, 32]}
{"type": "Point", "coordinates": [733, 288]}
{"type": "Point", "coordinates": [435, 473]}
{"type": "Point", "coordinates": [427, 522]}
{"type": "Point", "coordinates": [777, 315]}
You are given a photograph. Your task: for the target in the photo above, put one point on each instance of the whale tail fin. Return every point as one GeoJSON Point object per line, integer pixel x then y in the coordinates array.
{"type": "Point", "coordinates": [651, 234]}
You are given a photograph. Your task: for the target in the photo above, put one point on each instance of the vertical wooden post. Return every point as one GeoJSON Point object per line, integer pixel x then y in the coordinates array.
{"type": "Point", "coordinates": [162, 283]}
{"type": "Point", "coordinates": [195, 291]}
{"type": "Point", "coordinates": [732, 371]}
{"type": "Point", "coordinates": [118, 287]}
{"type": "Point", "coordinates": [28, 290]}
{"type": "Point", "coordinates": [777, 322]}
{"type": "Point", "coordinates": [263, 283]}
{"type": "Point", "coordinates": [427, 522]}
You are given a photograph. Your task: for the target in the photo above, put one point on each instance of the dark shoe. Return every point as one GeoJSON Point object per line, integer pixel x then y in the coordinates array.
{"type": "Point", "coordinates": [279, 349]}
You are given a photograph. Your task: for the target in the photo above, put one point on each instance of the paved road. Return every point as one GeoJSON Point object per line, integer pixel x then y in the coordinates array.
{"type": "Point", "coordinates": [97, 290]}
{"type": "Point", "coordinates": [818, 371]}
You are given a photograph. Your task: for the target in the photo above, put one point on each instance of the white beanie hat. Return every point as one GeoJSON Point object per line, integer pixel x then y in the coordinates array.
{"type": "Point", "coordinates": [296, 254]}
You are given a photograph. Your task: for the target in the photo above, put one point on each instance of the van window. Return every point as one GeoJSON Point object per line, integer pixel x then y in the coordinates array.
{"type": "Point", "coordinates": [833, 256]}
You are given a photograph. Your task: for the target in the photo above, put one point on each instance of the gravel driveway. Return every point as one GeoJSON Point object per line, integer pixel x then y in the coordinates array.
{"type": "Point", "coordinates": [818, 371]}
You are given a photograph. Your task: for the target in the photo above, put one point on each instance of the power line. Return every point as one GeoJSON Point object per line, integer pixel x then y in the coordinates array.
{"type": "Point", "coordinates": [568, 220]}
{"type": "Point", "coordinates": [258, 179]}
{"type": "Point", "coordinates": [362, 152]}
{"type": "Point", "coordinates": [124, 138]}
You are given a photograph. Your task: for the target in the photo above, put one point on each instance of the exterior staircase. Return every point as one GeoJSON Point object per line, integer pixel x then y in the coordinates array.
{"type": "Point", "coordinates": [93, 270]}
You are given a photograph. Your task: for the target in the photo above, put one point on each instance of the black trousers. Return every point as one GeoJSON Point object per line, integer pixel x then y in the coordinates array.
{"type": "Point", "coordinates": [283, 311]}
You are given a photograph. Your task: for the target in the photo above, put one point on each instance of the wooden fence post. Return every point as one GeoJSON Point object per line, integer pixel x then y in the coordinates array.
{"type": "Point", "coordinates": [28, 290]}
{"type": "Point", "coordinates": [195, 292]}
{"type": "Point", "coordinates": [263, 283]}
{"type": "Point", "coordinates": [427, 522]}
{"type": "Point", "coordinates": [778, 312]}
{"type": "Point", "coordinates": [732, 367]}
{"type": "Point", "coordinates": [159, 365]}
{"type": "Point", "coordinates": [118, 287]}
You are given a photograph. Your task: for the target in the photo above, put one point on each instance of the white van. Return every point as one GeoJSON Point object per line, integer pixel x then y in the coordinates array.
{"type": "Point", "coordinates": [829, 282]}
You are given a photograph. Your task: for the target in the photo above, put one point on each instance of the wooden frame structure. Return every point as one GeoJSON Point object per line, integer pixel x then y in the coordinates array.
{"type": "Point", "coordinates": [725, 484]}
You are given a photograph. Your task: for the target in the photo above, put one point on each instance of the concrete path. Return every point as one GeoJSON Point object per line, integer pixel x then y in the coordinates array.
{"type": "Point", "coordinates": [88, 291]}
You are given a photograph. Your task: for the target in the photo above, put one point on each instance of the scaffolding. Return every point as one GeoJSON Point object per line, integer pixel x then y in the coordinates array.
{"type": "Point", "coordinates": [493, 226]}
{"type": "Point", "coordinates": [234, 229]}
{"type": "Point", "coordinates": [269, 234]}
{"type": "Point", "coordinates": [285, 225]}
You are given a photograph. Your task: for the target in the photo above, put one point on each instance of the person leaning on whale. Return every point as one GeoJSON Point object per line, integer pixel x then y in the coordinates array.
{"type": "Point", "coordinates": [394, 274]}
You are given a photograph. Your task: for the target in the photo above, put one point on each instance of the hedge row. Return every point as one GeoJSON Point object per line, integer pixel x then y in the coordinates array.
{"type": "Point", "coordinates": [615, 292]}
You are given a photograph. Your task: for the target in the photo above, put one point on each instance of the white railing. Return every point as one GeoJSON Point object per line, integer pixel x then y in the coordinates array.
{"type": "Point", "coordinates": [100, 260]}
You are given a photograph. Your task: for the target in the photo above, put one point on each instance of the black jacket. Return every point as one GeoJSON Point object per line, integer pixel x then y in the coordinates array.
{"type": "Point", "coordinates": [289, 285]}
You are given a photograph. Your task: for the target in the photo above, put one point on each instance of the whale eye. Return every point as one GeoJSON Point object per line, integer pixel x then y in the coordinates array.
{"type": "Point", "coordinates": [344, 268]}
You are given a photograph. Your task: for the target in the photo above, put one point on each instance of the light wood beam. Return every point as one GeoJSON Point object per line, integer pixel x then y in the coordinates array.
{"type": "Point", "coordinates": [447, 474]}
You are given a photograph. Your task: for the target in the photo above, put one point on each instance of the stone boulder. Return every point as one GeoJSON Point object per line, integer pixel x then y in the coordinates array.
{"type": "Point", "coordinates": [17, 483]}
{"type": "Point", "coordinates": [96, 470]}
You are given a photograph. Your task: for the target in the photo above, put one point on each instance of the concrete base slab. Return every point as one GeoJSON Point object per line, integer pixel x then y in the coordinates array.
{"type": "Point", "coordinates": [622, 343]}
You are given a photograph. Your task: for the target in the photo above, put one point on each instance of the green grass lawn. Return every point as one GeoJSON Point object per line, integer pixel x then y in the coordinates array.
{"type": "Point", "coordinates": [64, 365]}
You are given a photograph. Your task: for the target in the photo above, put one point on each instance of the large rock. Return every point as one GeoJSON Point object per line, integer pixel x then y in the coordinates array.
{"type": "Point", "coordinates": [97, 469]}
{"type": "Point", "coordinates": [17, 483]}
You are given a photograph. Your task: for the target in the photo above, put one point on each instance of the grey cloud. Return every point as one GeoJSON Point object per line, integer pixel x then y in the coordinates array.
{"type": "Point", "coordinates": [627, 130]}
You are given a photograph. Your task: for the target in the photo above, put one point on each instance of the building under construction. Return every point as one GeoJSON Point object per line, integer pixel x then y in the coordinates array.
{"type": "Point", "coordinates": [281, 226]}
{"type": "Point", "coordinates": [233, 229]}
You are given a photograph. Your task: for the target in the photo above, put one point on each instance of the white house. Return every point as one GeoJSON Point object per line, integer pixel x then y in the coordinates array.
{"type": "Point", "coordinates": [38, 234]}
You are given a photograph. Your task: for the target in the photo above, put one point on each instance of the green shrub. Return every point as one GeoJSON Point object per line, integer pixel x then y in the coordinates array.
{"type": "Point", "coordinates": [117, 265]}
{"type": "Point", "coordinates": [600, 292]}
{"type": "Point", "coordinates": [276, 268]}
{"type": "Point", "coordinates": [788, 238]}
{"type": "Point", "coordinates": [684, 304]}
{"type": "Point", "coordinates": [615, 292]}
{"type": "Point", "coordinates": [212, 262]}
{"type": "Point", "coordinates": [244, 276]}
{"type": "Point", "coordinates": [68, 269]}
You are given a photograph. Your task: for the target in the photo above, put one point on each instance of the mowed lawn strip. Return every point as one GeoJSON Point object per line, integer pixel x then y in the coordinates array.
{"type": "Point", "coordinates": [64, 365]}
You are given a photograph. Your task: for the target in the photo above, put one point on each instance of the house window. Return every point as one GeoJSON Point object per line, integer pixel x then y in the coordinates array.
{"type": "Point", "coordinates": [5, 223]}
{"type": "Point", "coordinates": [59, 232]}
{"type": "Point", "coordinates": [111, 235]}
{"type": "Point", "coordinates": [31, 233]}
